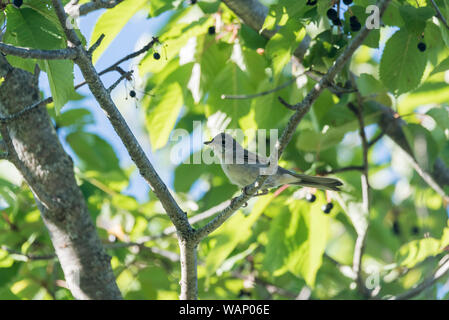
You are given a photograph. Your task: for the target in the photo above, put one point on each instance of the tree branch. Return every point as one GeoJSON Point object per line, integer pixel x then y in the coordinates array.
{"type": "Point", "coordinates": [438, 177]}
{"type": "Point", "coordinates": [74, 9]}
{"type": "Point", "coordinates": [263, 93]}
{"type": "Point", "coordinates": [29, 256]}
{"type": "Point", "coordinates": [27, 53]}
{"type": "Point", "coordinates": [301, 110]}
{"type": "Point", "coordinates": [438, 14]}
{"type": "Point", "coordinates": [178, 217]}
{"type": "Point", "coordinates": [34, 149]}
{"type": "Point", "coordinates": [440, 272]}
{"type": "Point", "coordinates": [119, 124]}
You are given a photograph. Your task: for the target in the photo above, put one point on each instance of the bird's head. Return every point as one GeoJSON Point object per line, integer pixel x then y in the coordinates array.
{"type": "Point", "coordinates": [222, 143]}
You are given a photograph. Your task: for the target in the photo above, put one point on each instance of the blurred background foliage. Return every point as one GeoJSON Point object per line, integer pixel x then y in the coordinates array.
{"type": "Point", "coordinates": [280, 246]}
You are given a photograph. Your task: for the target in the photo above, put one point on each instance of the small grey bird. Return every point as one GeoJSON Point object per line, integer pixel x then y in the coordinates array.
{"type": "Point", "coordinates": [242, 167]}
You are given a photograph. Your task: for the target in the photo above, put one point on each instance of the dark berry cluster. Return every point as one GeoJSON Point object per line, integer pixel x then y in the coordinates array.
{"type": "Point", "coordinates": [156, 56]}
{"type": "Point", "coordinates": [211, 30]}
{"type": "Point", "coordinates": [354, 23]}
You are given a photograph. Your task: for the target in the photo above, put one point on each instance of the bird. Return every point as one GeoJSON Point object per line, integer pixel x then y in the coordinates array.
{"type": "Point", "coordinates": [242, 167]}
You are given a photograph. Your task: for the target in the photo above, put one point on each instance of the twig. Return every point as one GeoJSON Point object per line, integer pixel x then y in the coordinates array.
{"type": "Point", "coordinates": [439, 15]}
{"type": "Point", "coordinates": [145, 48]}
{"type": "Point", "coordinates": [440, 272]}
{"type": "Point", "coordinates": [173, 257]}
{"type": "Point", "coordinates": [376, 139]}
{"type": "Point", "coordinates": [86, 8]}
{"type": "Point", "coordinates": [251, 96]}
{"type": "Point", "coordinates": [96, 44]}
{"type": "Point", "coordinates": [344, 169]}
{"type": "Point", "coordinates": [8, 118]}
{"type": "Point", "coordinates": [27, 53]}
{"type": "Point", "coordinates": [286, 104]}
{"type": "Point", "coordinates": [125, 75]}
{"type": "Point", "coordinates": [29, 256]}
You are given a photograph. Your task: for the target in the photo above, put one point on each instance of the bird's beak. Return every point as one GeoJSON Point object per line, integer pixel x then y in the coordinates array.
{"type": "Point", "coordinates": [207, 142]}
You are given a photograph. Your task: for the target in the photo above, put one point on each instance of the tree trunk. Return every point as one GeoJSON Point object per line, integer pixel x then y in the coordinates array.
{"type": "Point", "coordinates": [35, 150]}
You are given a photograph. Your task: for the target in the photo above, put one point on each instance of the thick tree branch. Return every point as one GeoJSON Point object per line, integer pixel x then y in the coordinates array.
{"type": "Point", "coordinates": [27, 53]}
{"type": "Point", "coordinates": [34, 149]}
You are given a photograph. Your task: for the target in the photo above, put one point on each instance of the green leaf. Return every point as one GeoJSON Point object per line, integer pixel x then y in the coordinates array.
{"type": "Point", "coordinates": [282, 45]}
{"type": "Point", "coordinates": [367, 85]}
{"type": "Point", "coordinates": [441, 116]}
{"type": "Point", "coordinates": [285, 10]}
{"type": "Point", "coordinates": [159, 6]}
{"type": "Point", "coordinates": [93, 151]}
{"type": "Point", "coordinates": [112, 22]}
{"type": "Point", "coordinates": [163, 113]}
{"type": "Point", "coordinates": [236, 230]}
{"type": "Point", "coordinates": [60, 76]}
{"type": "Point", "coordinates": [415, 18]}
{"type": "Point", "coordinates": [418, 250]}
{"type": "Point", "coordinates": [164, 108]}
{"type": "Point", "coordinates": [75, 117]}
{"type": "Point", "coordinates": [22, 31]}
{"type": "Point", "coordinates": [296, 241]}
{"type": "Point", "coordinates": [441, 67]}
{"type": "Point", "coordinates": [231, 81]}
{"type": "Point", "coordinates": [402, 64]}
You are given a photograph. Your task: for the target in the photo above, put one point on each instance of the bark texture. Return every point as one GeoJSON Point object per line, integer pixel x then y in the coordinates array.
{"type": "Point", "coordinates": [35, 150]}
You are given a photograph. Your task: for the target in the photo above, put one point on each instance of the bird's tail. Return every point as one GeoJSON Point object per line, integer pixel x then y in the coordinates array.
{"type": "Point", "coordinates": [316, 182]}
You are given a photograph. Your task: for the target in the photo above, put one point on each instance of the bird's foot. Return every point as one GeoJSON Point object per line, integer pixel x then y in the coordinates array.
{"type": "Point", "coordinates": [261, 193]}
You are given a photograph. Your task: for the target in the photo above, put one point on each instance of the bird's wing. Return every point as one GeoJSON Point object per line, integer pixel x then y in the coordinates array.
{"type": "Point", "coordinates": [250, 157]}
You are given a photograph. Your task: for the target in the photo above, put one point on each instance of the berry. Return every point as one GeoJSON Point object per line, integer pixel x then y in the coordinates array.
{"type": "Point", "coordinates": [132, 94]}
{"type": "Point", "coordinates": [353, 19]}
{"type": "Point", "coordinates": [311, 2]}
{"type": "Point", "coordinates": [327, 207]}
{"type": "Point", "coordinates": [211, 30]}
{"type": "Point", "coordinates": [347, 2]}
{"type": "Point", "coordinates": [415, 230]}
{"type": "Point", "coordinates": [396, 228]}
{"type": "Point", "coordinates": [356, 26]}
{"type": "Point", "coordinates": [192, 1]}
{"type": "Point", "coordinates": [156, 55]}
{"type": "Point", "coordinates": [310, 197]}
{"type": "Point", "coordinates": [17, 3]}
{"type": "Point", "coordinates": [336, 22]}
{"type": "Point", "coordinates": [422, 46]}
{"type": "Point", "coordinates": [332, 14]}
